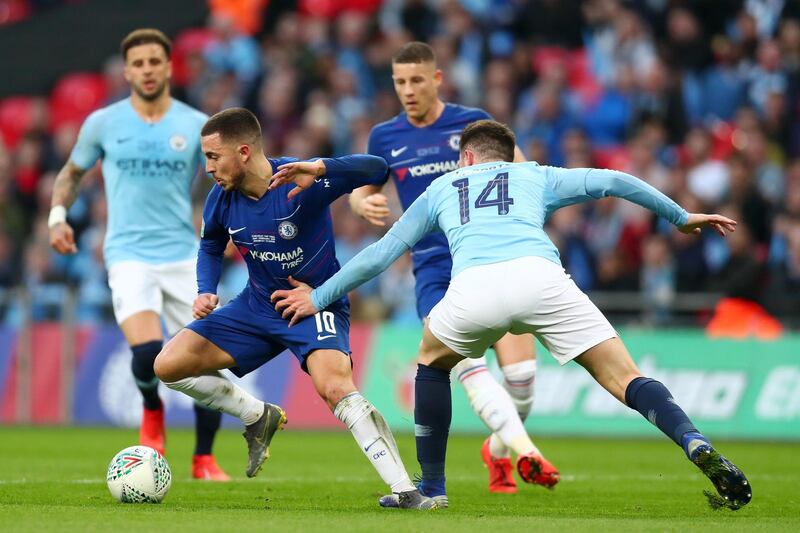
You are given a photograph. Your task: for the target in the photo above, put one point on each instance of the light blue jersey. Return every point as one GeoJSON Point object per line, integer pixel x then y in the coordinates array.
{"type": "Point", "coordinates": [148, 171]}
{"type": "Point", "coordinates": [494, 212]}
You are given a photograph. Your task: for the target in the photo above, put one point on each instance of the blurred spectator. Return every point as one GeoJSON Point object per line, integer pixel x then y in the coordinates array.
{"type": "Point", "coordinates": [706, 178]}
{"type": "Point", "coordinates": [657, 279]}
{"type": "Point", "coordinates": [233, 52]}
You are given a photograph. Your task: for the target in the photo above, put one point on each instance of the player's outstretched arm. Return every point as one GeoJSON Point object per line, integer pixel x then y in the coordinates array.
{"type": "Point", "coordinates": [342, 174]}
{"type": "Point", "coordinates": [368, 203]}
{"type": "Point", "coordinates": [368, 263]}
{"type": "Point", "coordinates": [65, 190]}
{"type": "Point", "coordinates": [295, 304]}
{"type": "Point", "coordinates": [301, 173]}
{"type": "Point", "coordinates": [697, 221]}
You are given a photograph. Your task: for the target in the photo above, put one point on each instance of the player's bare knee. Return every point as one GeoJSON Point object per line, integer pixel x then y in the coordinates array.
{"type": "Point", "coordinates": [335, 389]}
{"type": "Point", "coordinates": [168, 365]}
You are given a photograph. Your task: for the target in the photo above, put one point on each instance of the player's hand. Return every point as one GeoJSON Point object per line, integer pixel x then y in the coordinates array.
{"type": "Point", "coordinates": [62, 239]}
{"type": "Point", "coordinates": [374, 209]}
{"type": "Point", "coordinates": [295, 303]}
{"type": "Point", "coordinates": [301, 173]}
{"type": "Point", "coordinates": [204, 305]}
{"type": "Point", "coordinates": [697, 221]}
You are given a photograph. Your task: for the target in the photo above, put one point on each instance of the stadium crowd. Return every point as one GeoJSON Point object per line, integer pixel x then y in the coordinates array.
{"type": "Point", "coordinates": [700, 99]}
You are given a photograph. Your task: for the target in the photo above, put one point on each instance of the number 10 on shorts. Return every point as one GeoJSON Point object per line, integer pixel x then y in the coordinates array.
{"type": "Point", "coordinates": [325, 324]}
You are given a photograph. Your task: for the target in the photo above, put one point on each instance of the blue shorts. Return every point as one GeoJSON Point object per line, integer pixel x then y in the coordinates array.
{"type": "Point", "coordinates": [432, 280]}
{"type": "Point", "coordinates": [254, 334]}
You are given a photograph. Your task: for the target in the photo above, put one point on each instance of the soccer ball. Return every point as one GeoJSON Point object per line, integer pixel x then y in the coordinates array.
{"type": "Point", "coordinates": [139, 474]}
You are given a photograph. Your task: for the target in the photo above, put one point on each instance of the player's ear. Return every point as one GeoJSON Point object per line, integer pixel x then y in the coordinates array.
{"type": "Point", "coordinates": [245, 151]}
{"type": "Point", "coordinates": [437, 78]}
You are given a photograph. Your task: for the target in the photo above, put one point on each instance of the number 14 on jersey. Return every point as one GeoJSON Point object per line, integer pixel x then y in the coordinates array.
{"type": "Point", "coordinates": [501, 200]}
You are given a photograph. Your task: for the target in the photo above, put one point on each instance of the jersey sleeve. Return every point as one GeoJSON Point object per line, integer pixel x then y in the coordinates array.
{"type": "Point", "coordinates": [213, 240]}
{"type": "Point", "coordinates": [415, 223]}
{"type": "Point", "coordinates": [88, 148]}
{"type": "Point", "coordinates": [572, 186]}
{"type": "Point", "coordinates": [343, 174]}
{"type": "Point", "coordinates": [373, 148]}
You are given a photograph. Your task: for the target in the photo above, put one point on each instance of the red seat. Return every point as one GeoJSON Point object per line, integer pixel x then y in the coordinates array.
{"type": "Point", "coordinates": [615, 157]}
{"type": "Point", "coordinates": [188, 42]}
{"type": "Point", "coordinates": [12, 11]}
{"type": "Point", "coordinates": [75, 96]}
{"type": "Point", "coordinates": [16, 118]}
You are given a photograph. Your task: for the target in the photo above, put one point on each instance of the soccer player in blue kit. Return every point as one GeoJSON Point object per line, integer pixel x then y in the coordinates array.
{"type": "Point", "coordinates": [150, 148]}
{"type": "Point", "coordinates": [420, 145]}
{"type": "Point", "coordinates": [282, 235]}
{"type": "Point", "coordinates": [507, 276]}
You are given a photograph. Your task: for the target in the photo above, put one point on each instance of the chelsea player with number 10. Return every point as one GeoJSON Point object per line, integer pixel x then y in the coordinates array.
{"type": "Point", "coordinates": [282, 235]}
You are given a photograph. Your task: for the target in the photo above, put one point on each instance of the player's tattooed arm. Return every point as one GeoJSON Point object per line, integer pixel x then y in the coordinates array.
{"type": "Point", "coordinates": [65, 190]}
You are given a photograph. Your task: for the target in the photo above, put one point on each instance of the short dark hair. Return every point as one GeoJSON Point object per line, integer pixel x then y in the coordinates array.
{"type": "Point", "coordinates": [145, 36]}
{"type": "Point", "coordinates": [236, 124]}
{"type": "Point", "coordinates": [414, 52]}
{"type": "Point", "coordinates": [490, 139]}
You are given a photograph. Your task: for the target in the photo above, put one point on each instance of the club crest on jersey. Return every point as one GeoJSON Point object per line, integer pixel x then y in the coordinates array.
{"type": "Point", "coordinates": [178, 143]}
{"type": "Point", "coordinates": [454, 141]}
{"type": "Point", "coordinates": [287, 230]}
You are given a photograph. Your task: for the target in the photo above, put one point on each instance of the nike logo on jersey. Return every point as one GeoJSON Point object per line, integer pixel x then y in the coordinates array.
{"type": "Point", "coordinates": [366, 448]}
{"type": "Point", "coordinates": [124, 139]}
{"type": "Point", "coordinates": [323, 337]}
{"type": "Point", "coordinates": [399, 151]}
{"type": "Point", "coordinates": [235, 231]}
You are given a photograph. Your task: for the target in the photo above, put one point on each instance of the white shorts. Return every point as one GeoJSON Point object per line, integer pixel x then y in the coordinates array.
{"type": "Point", "coordinates": [168, 289]}
{"type": "Point", "coordinates": [525, 295]}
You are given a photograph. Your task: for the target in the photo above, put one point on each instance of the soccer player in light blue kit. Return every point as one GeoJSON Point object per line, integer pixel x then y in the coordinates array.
{"type": "Point", "coordinates": [149, 145]}
{"type": "Point", "coordinates": [507, 276]}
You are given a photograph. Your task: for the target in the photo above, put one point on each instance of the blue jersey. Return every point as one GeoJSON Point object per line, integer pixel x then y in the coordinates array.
{"type": "Point", "coordinates": [495, 212]}
{"type": "Point", "coordinates": [280, 237]}
{"type": "Point", "coordinates": [148, 171]}
{"type": "Point", "coordinates": [416, 157]}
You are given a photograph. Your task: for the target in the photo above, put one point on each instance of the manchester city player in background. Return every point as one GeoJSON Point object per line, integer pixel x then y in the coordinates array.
{"type": "Point", "coordinates": [420, 145]}
{"type": "Point", "coordinates": [149, 145]}
{"type": "Point", "coordinates": [282, 235]}
{"type": "Point", "coordinates": [507, 276]}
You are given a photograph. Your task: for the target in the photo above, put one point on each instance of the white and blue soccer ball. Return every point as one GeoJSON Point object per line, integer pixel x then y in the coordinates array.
{"type": "Point", "coordinates": [139, 474]}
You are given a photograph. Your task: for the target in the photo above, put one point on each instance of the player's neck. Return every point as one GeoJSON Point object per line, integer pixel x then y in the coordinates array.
{"type": "Point", "coordinates": [256, 181]}
{"type": "Point", "coordinates": [430, 117]}
{"type": "Point", "coordinates": [151, 111]}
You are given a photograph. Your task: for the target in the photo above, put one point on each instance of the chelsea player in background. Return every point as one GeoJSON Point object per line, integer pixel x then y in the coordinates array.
{"type": "Point", "coordinates": [149, 145]}
{"type": "Point", "coordinates": [282, 235]}
{"type": "Point", "coordinates": [420, 145]}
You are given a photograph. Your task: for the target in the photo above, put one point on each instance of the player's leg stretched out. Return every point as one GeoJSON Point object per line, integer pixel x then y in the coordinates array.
{"type": "Point", "coordinates": [143, 294]}
{"type": "Point", "coordinates": [572, 327]}
{"type": "Point", "coordinates": [187, 364]}
{"type": "Point", "coordinates": [612, 367]}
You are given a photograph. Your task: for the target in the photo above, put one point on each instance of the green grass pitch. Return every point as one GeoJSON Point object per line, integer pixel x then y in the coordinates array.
{"type": "Point", "coordinates": [53, 479]}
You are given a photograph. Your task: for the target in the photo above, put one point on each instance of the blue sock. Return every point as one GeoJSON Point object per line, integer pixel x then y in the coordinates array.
{"type": "Point", "coordinates": [144, 355]}
{"type": "Point", "coordinates": [206, 424]}
{"type": "Point", "coordinates": [432, 413]}
{"type": "Point", "coordinates": [654, 401]}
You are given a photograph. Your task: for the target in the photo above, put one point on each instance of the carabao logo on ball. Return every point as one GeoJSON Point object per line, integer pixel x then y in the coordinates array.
{"type": "Point", "coordinates": [287, 230]}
